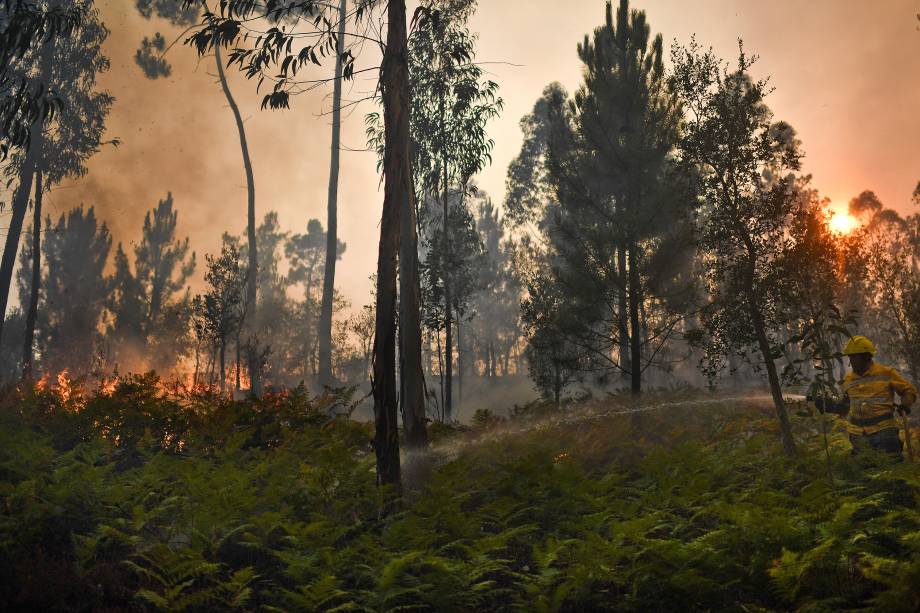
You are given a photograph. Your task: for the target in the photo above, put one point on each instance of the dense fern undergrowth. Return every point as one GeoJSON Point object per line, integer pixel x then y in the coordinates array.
{"type": "Point", "coordinates": [139, 499]}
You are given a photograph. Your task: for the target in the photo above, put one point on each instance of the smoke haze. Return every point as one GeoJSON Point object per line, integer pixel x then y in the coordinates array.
{"type": "Point", "coordinates": [845, 72]}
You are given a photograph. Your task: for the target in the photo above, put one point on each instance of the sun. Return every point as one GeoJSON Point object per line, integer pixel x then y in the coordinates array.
{"type": "Point", "coordinates": [842, 222]}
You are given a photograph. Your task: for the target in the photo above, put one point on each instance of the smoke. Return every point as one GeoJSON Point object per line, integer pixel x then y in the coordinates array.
{"type": "Point", "coordinates": [178, 135]}
{"type": "Point", "coordinates": [839, 76]}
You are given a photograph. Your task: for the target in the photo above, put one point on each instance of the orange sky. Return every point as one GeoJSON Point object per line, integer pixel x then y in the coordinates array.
{"type": "Point", "coordinates": [846, 72]}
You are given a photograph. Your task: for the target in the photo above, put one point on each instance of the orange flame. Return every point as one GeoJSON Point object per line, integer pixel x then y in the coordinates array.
{"type": "Point", "coordinates": [107, 386]}
{"type": "Point", "coordinates": [64, 385]}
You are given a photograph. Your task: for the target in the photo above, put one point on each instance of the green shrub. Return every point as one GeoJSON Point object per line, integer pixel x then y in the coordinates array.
{"type": "Point", "coordinates": [142, 499]}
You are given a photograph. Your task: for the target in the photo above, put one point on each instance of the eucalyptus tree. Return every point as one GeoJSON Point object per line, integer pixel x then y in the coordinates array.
{"type": "Point", "coordinates": [746, 162]}
{"type": "Point", "coordinates": [498, 300]}
{"type": "Point", "coordinates": [306, 254]}
{"type": "Point", "coordinates": [881, 272]}
{"type": "Point", "coordinates": [150, 58]}
{"type": "Point", "coordinates": [332, 225]}
{"type": "Point", "coordinates": [273, 56]}
{"type": "Point", "coordinates": [63, 142]}
{"type": "Point", "coordinates": [24, 99]}
{"type": "Point", "coordinates": [527, 187]}
{"type": "Point", "coordinates": [462, 265]}
{"type": "Point", "coordinates": [452, 103]}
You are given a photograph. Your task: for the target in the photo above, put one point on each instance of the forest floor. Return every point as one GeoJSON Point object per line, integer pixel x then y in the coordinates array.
{"type": "Point", "coordinates": [135, 500]}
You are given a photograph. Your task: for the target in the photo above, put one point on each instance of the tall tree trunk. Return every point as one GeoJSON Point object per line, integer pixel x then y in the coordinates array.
{"type": "Point", "coordinates": [635, 337]}
{"type": "Point", "coordinates": [459, 367]}
{"type": "Point", "coordinates": [412, 377]}
{"type": "Point", "coordinates": [20, 204]}
{"type": "Point", "coordinates": [223, 370]}
{"type": "Point", "coordinates": [772, 376]}
{"type": "Point", "coordinates": [254, 366]}
{"type": "Point", "coordinates": [622, 315]}
{"type": "Point", "coordinates": [212, 360]}
{"type": "Point", "coordinates": [397, 192]}
{"type": "Point", "coordinates": [763, 343]}
{"type": "Point", "coordinates": [32, 313]}
{"type": "Point", "coordinates": [440, 370]}
{"type": "Point", "coordinates": [197, 363]}
{"type": "Point", "coordinates": [325, 315]}
{"type": "Point", "coordinates": [448, 326]}
{"type": "Point", "coordinates": [238, 384]}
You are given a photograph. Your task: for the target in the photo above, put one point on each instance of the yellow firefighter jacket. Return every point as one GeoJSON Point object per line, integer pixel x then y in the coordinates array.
{"type": "Point", "coordinates": [872, 398]}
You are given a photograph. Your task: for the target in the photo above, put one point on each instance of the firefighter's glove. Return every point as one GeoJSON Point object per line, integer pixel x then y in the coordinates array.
{"type": "Point", "coordinates": [903, 410]}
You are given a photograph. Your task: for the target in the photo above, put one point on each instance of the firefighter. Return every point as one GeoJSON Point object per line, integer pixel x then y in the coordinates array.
{"type": "Point", "coordinates": [868, 400]}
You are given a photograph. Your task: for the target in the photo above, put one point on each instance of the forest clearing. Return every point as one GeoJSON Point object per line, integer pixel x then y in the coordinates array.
{"type": "Point", "coordinates": [449, 305]}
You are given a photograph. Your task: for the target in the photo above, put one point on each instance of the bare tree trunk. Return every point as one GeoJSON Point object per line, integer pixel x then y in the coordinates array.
{"type": "Point", "coordinates": [212, 359]}
{"type": "Point", "coordinates": [493, 367]}
{"type": "Point", "coordinates": [254, 366]}
{"type": "Point", "coordinates": [459, 367]}
{"type": "Point", "coordinates": [197, 363]}
{"type": "Point", "coordinates": [760, 330]}
{"type": "Point", "coordinates": [32, 313]}
{"type": "Point", "coordinates": [440, 369]}
{"type": "Point", "coordinates": [397, 182]}
{"type": "Point", "coordinates": [325, 316]}
{"type": "Point", "coordinates": [238, 386]}
{"type": "Point", "coordinates": [635, 337]}
{"type": "Point", "coordinates": [625, 361]}
{"type": "Point", "coordinates": [448, 324]}
{"type": "Point", "coordinates": [412, 377]}
{"type": "Point", "coordinates": [20, 204]}
{"type": "Point", "coordinates": [773, 377]}
{"type": "Point", "coordinates": [223, 370]}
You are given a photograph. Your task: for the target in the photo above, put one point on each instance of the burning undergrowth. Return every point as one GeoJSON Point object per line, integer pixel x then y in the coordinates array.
{"type": "Point", "coordinates": [164, 415]}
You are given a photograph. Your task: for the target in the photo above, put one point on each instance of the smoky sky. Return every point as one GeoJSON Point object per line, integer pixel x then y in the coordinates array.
{"type": "Point", "coordinates": [846, 75]}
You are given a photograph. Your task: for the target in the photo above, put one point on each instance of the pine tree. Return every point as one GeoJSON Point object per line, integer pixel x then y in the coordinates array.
{"type": "Point", "coordinates": [76, 250]}
{"type": "Point", "coordinates": [617, 193]}
{"type": "Point", "coordinates": [158, 290]}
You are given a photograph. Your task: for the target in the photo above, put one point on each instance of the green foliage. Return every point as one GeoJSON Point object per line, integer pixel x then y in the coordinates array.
{"type": "Point", "coordinates": [194, 502]}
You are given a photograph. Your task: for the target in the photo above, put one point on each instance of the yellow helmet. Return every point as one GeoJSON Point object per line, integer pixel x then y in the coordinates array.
{"type": "Point", "coordinates": [859, 344]}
